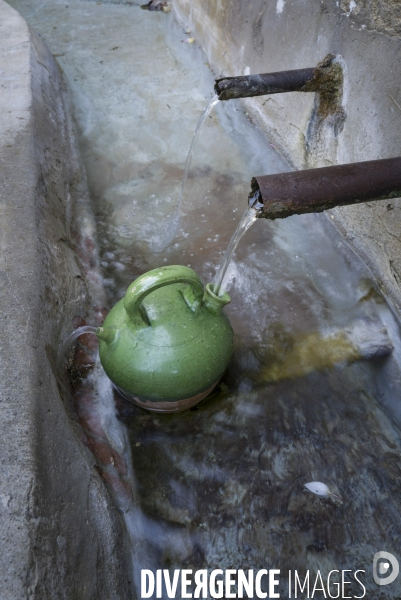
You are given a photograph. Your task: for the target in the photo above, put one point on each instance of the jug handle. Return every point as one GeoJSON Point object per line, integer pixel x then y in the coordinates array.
{"type": "Point", "coordinates": [153, 280]}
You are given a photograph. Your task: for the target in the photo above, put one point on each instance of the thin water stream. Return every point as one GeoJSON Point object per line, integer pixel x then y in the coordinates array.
{"type": "Point", "coordinates": [198, 129]}
{"type": "Point", "coordinates": [168, 235]}
{"type": "Point", "coordinates": [249, 217]}
{"type": "Point", "coordinates": [68, 343]}
{"type": "Point", "coordinates": [222, 486]}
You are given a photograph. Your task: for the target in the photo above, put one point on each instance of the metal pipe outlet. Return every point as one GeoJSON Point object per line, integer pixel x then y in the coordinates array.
{"type": "Point", "coordinates": [315, 190]}
{"type": "Point", "coordinates": [245, 86]}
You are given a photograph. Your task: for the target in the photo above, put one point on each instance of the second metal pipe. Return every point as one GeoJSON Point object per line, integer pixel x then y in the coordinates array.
{"type": "Point", "coordinates": [316, 190]}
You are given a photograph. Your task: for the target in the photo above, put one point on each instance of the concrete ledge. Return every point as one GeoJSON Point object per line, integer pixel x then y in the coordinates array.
{"type": "Point", "coordinates": [60, 535]}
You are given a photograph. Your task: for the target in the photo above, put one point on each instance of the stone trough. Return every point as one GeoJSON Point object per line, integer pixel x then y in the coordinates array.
{"type": "Point", "coordinates": [64, 530]}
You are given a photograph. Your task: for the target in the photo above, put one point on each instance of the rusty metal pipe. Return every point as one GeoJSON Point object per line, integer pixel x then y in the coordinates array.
{"type": "Point", "coordinates": [245, 86]}
{"type": "Point", "coordinates": [316, 190]}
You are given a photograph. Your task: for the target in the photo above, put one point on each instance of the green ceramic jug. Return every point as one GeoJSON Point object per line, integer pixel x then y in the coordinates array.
{"type": "Point", "coordinates": [167, 343]}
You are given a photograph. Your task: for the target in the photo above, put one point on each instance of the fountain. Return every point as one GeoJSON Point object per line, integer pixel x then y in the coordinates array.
{"type": "Point", "coordinates": [222, 485]}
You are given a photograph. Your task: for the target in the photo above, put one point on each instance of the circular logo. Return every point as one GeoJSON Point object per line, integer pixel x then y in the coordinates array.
{"type": "Point", "coordinates": [385, 568]}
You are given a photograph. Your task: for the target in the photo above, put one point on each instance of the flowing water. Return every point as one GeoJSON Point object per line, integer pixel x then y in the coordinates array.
{"type": "Point", "coordinates": [165, 238]}
{"type": "Point", "coordinates": [68, 344]}
{"type": "Point", "coordinates": [249, 217]}
{"type": "Point", "coordinates": [222, 486]}
{"type": "Point", "coordinates": [198, 128]}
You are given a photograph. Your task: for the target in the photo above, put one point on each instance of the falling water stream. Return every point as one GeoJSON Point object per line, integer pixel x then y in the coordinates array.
{"type": "Point", "coordinates": [249, 217]}
{"type": "Point", "coordinates": [222, 486]}
{"type": "Point", "coordinates": [166, 237]}
{"type": "Point", "coordinates": [68, 343]}
{"type": "Point", "coordinates": [198, 128]}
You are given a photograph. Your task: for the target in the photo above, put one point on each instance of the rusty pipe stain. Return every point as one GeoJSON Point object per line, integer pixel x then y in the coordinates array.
{"type": "Point", "coordinates": [316, 190]}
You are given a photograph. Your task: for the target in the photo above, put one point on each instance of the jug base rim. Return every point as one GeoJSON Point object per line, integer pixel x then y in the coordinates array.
{"type": "Point", "coordinates": [166, 406]}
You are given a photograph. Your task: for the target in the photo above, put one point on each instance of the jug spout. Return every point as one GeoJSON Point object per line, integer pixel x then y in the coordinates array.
{"type": "Point", "coordinates": [214, 303]}
{"type": "Point", "coordinates": [106, 334]}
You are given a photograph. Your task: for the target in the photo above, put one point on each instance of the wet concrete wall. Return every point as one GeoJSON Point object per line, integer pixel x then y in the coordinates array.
{"type": "Point", "coordinates": [60, 535]}
{"type": "Point", "coordinates": [241, 37]}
